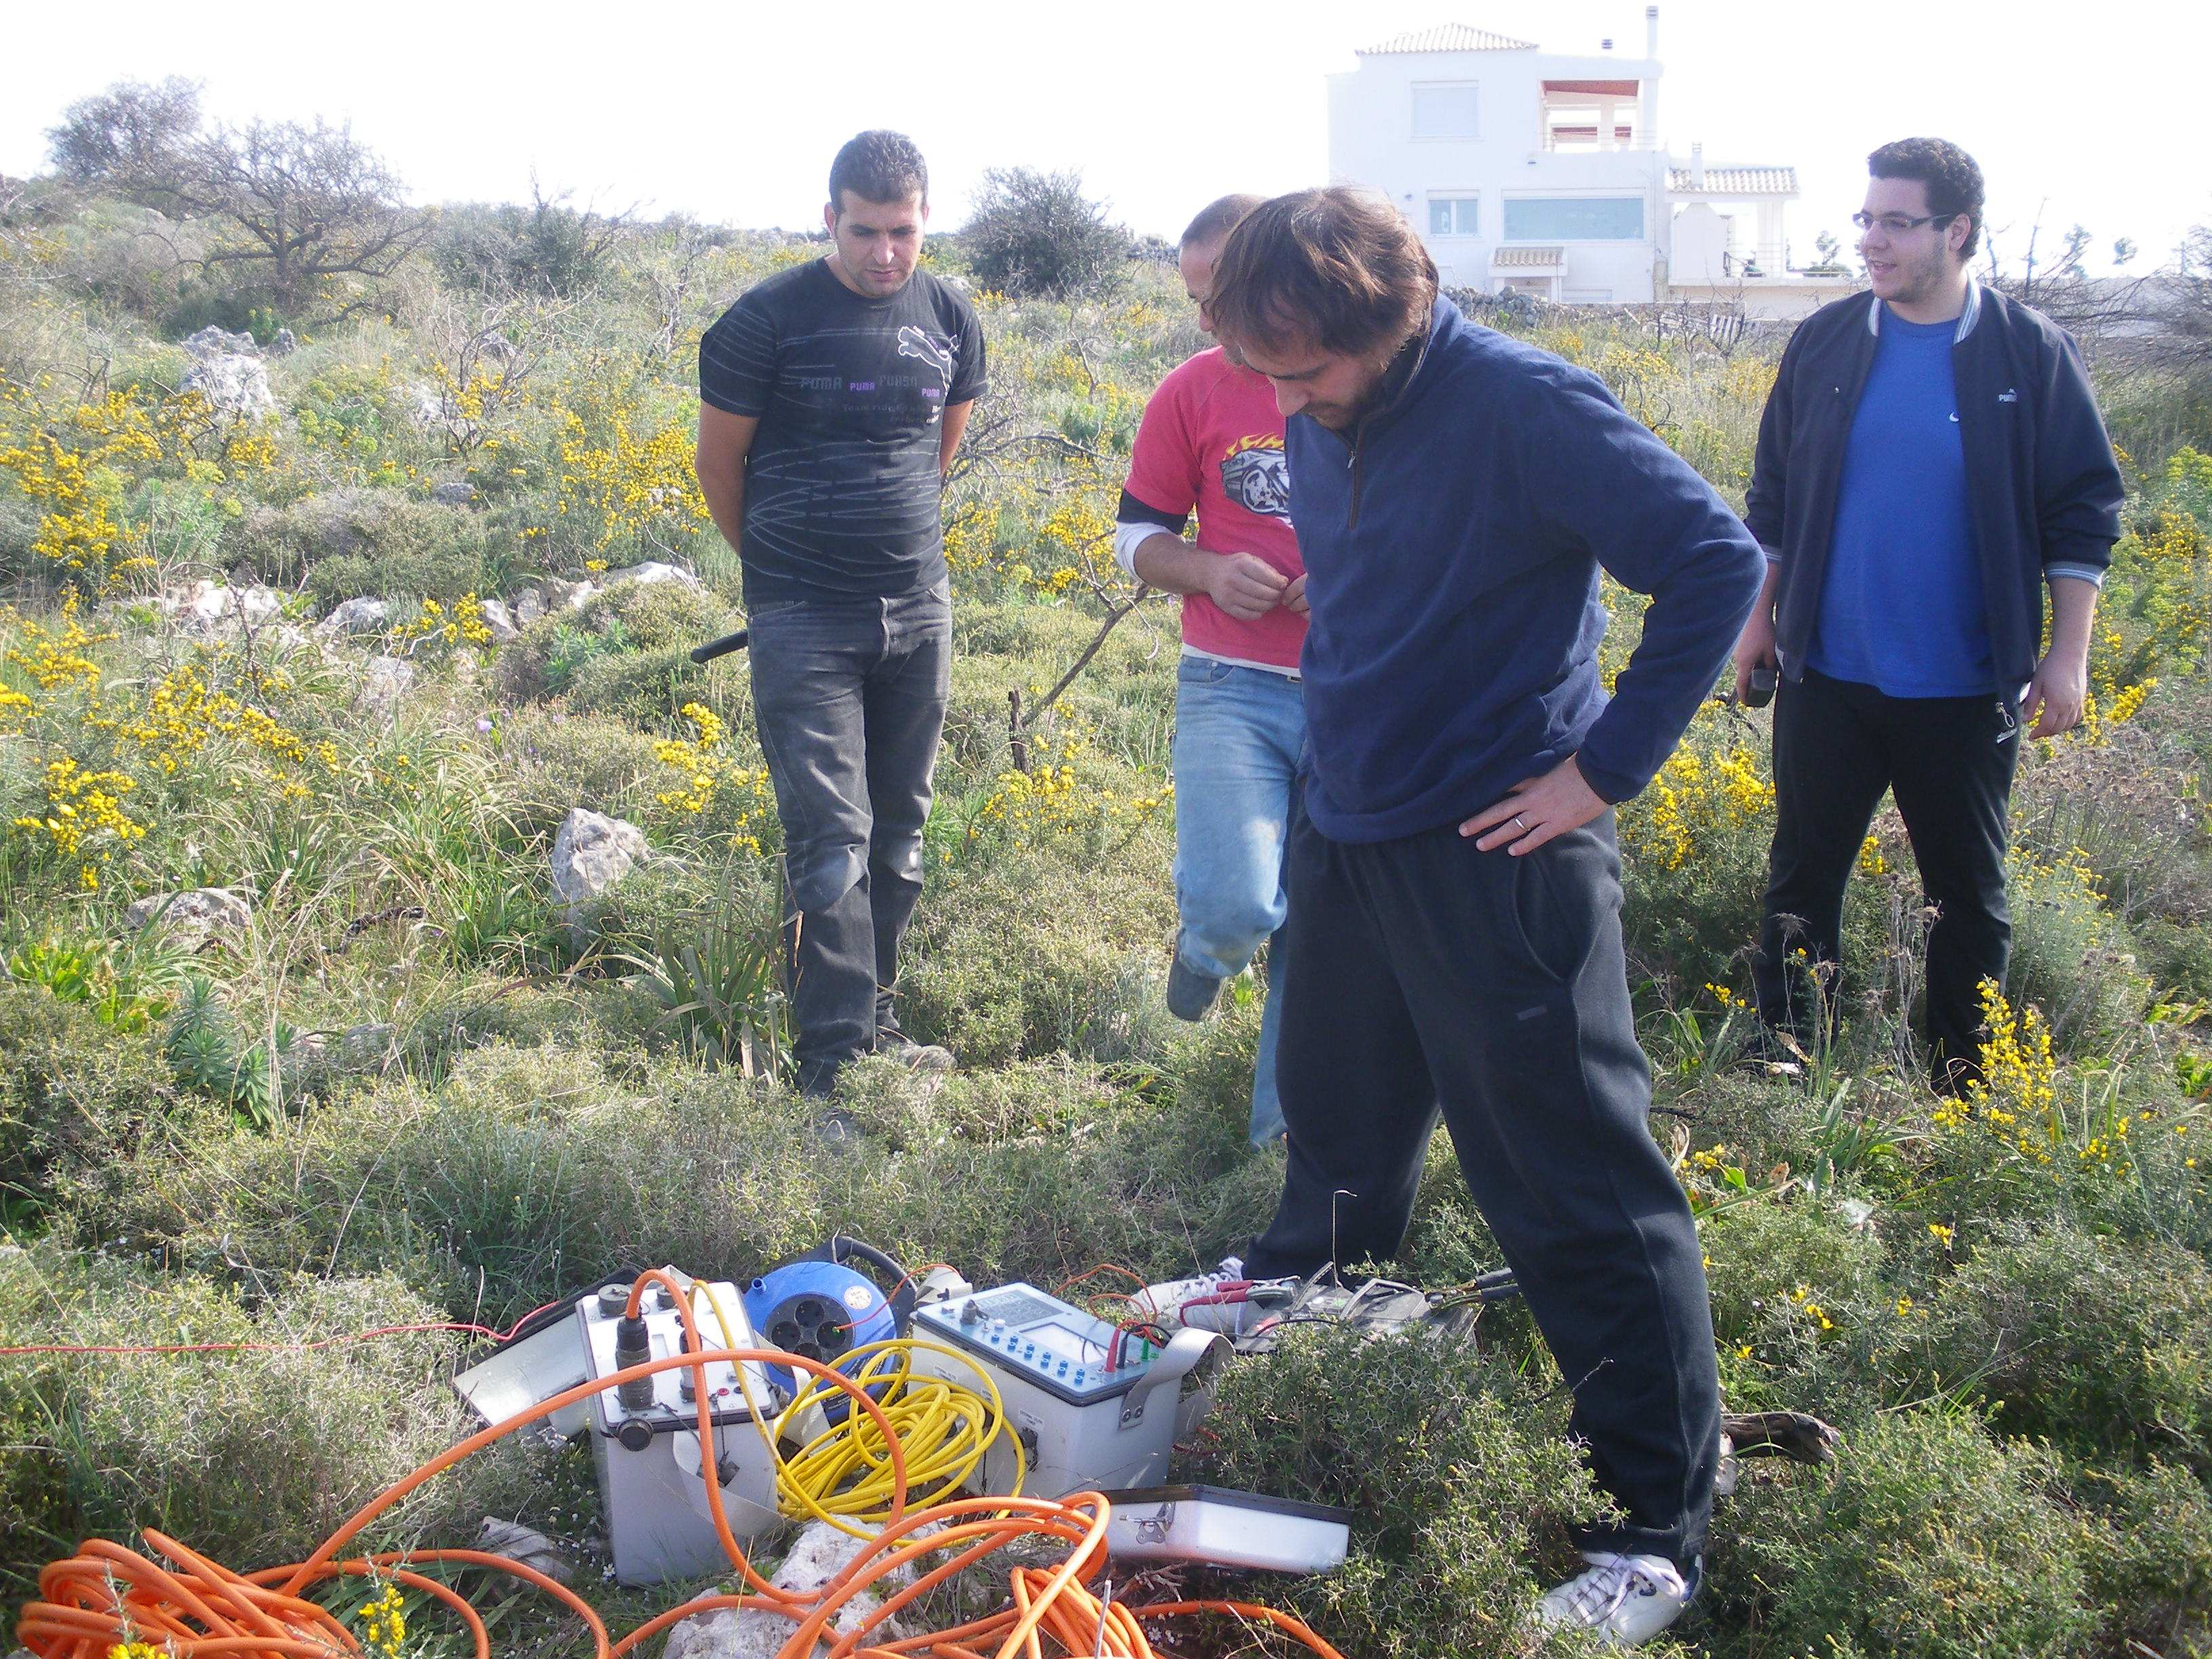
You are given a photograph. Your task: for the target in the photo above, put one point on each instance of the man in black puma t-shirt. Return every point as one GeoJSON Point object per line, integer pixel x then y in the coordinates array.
{"type": "Point", "coordinates": [831, 399]}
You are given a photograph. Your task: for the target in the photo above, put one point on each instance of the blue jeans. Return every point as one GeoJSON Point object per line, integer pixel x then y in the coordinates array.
{"type": "Point", "coordinates": [849, 697]}
{"type": "Point", "coordinates": [1239, 733]}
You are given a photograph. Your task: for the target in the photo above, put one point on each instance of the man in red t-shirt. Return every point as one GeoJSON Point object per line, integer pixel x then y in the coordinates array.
{"type": "Point", "coordinates": [1213, 440]}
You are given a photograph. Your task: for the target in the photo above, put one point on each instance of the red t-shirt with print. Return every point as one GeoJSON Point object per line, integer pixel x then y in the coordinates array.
{"type": "Point", "coordinates": [1212, 439]}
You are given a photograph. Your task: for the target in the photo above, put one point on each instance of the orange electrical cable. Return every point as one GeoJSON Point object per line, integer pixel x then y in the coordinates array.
{"type": "Point", "coordinates": [195, 1608]}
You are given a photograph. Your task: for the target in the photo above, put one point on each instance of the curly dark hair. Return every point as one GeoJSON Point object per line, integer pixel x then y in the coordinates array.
{"type": "Point", "coordinates": [1952, 179]}
{"type": "Point", "coordinates": [1339, 267]}
{"type": "Point", "coordinates": [879, 166]}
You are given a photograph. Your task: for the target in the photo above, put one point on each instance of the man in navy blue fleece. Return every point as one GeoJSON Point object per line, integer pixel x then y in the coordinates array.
{"type": "Point", "coordinates": [1455, 887]}
{"type": "Point", "coordinates": [1931, 452]}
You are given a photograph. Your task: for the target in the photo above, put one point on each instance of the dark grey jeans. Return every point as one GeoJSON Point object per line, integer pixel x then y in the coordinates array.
{"type": "Point", "coordinates": [849, 697]}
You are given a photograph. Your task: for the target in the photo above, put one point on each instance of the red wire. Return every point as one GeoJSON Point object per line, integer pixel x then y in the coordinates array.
{"type": "Point", "coordinates": [1142, 1283]}
{"type": "Point", "coordinates": [927, 1266]}
{"type": "Point", "coordinates": [484, 1331]}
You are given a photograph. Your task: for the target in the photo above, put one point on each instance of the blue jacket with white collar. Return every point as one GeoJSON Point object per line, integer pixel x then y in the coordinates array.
{"type": "Point", "coordinates": [2044, 489]}
{"type": "Point", "coordinates": [1452, 543]}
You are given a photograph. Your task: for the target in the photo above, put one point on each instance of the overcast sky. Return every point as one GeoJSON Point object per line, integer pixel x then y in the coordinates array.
{"type": "Point", "coordinates": [730, 112]}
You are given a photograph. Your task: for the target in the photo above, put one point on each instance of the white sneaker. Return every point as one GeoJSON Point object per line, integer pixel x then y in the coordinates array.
{"type": "Point", "coordinates": [1165, 1301]}
{"type": "Point", "coordinates": [1625, 1599]}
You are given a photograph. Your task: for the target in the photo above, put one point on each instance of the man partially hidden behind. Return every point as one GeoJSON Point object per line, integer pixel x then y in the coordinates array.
{"type": "Point", "coordinates": [1213, 440]}
{"type": "Point", "coordinates": [1453, 928]}
{"type": "Point", "coordinates": [831, 399]}
{"type": "Point", "coordinates": [1930, 460]}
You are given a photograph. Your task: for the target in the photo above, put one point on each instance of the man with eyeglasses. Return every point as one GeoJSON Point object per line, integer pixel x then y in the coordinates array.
{"type": "Point", "coordinates": [1929, 461]}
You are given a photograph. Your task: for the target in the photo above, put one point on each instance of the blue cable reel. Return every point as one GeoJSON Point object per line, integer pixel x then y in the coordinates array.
{"type": "Point", "coordinates": [817, 1306]}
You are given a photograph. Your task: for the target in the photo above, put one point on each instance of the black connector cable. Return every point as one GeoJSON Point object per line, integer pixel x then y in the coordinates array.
{"type": "Point", "coordinates": [723, 647]}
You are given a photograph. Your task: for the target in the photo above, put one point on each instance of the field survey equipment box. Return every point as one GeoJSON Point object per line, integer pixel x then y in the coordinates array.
{"type": "Point", "coordinates": [644, 1437]}
{"type": "Point", "coordinates": [645, 1434]}
{"type": "Point", "coordinates": [1094, 1404]}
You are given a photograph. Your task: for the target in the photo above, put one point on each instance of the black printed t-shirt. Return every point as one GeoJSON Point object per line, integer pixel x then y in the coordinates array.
{"type": "Point", "coordinates": [842, 483]}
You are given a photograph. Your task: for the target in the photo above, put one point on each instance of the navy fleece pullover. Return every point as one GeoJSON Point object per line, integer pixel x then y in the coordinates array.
{"type": "Point", "coordinates": [1452, 543]}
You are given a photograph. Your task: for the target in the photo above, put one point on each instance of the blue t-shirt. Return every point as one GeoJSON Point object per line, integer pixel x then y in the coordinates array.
{"type": "Point", "coordinates": [1901, 606]}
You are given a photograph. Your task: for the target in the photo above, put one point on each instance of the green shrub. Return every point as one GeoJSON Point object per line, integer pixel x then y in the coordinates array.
{"type": "Point", "coordinates": [2149, 1562]}
{"type": "Point", "coordinates": [2070, 957]}
{"type": "Point", "coordinates": [2099, 1345]}
{"type": "Point", "coordinates": [1799, 1308]}
{"type": "Point", "coordinates": [1925, 1537]}
{"type": "Point", "coordinates": [567, 760]}
{"type": "Point", "coordinates": [72, 1087]}
{"type": "Point", "coordinates": [1036, 951]}
{"type": "Point", "coordinates": [252, 1457]}
{"type": "Point", "coordinates": [1458, 1484]}
{"type": "Point", "coordinates": [617, 1021]}
{"type": "Point", "coordinates": [624, 654]}
{"type": "Point", "coordinates": [539, 1168]}
{"type": "Point", "coordinates": [1032, 232]}
{"type": "Point", "coordinates": [416, 550]}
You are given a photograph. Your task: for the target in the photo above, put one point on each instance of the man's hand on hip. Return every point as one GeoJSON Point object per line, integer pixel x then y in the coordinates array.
{"type": "Point", "coordinates": [1245, 585]}
{"type": "Point", "coordinates": [2055, 695]}
{"type": "Point", "coordinates": [1537, 810]}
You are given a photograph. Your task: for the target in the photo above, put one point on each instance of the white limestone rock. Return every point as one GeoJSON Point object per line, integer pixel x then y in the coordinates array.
{"type": "Point", "coordinates": [227, 370]}
{"type": "Point", "coordinates": [356, 616]}
{"type": "Point", "coordinates": [651, 573]}
{"type": "Point", "coordinates": [821, 1553]}
{"type": "Point", "coordinates": [210, 609]}
{"type": "Point", "coordinates": [590, 853]}
{"type": "Point", "coordinates": [500, 621]}
{"type": "Point", "coordinates": [386, 681]}
{"type": "Point", "coordinates": [560, 595]}
{"type": "Point", "coordinates": [201, 914]}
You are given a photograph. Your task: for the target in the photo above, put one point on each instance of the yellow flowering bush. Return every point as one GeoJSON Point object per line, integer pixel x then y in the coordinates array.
{"type": "Point", "coordinates": [84, 817]}
{"type": "Point", "coordinates": [76, 463]}
{"type": "Point", "coordinates": [705, 773]}
{"type": "Point", "coordinates": [1064, 793]}
{"type": "Point", "coordinates": [626, 476]}
{"type": "Point", "coordinates": [1695, 805]}
{"type": "Point", "coordinates": [111, 754]}
{"type": "Point", "coordinates": [433, 627]}
{"type": "Point", "coordinates": [384, 1622]}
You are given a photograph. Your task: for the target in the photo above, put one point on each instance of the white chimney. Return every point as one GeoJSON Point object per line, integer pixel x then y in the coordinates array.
{"type": "Point", "coordinates": [1647, 122]}
{"type": "Point", "coordinates": [1698, 165]}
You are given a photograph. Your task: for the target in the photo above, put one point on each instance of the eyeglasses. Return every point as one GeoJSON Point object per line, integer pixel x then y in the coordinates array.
{"type": "Point", "coordinates": [1896, 224]}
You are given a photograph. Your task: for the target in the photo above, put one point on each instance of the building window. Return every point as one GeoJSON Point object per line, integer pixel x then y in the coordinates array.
{"type": "Point", "coordinates": [1574, 218]}
{"type": "Point", "coordinates": [1444, 111]}
{"type": "Point", "coordinates": [1453, 215]}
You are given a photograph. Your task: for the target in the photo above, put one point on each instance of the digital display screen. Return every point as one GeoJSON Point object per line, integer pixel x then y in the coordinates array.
{"type": "Point", "coordinates": [1017, 1307]}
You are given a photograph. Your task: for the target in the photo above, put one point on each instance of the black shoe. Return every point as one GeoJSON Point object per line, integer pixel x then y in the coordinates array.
{"type": "Point", "coordinates": [1190, 993]}
{"type": "Point", "coordinates": [818, 1079]}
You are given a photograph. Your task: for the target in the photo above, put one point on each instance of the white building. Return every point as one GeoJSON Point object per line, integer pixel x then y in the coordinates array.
{"type": "Point", "coordinates": [1527, 169]}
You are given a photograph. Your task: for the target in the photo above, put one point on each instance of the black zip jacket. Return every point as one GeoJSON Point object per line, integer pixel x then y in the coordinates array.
{"type": "Point", "coordinates": [2044, 488]}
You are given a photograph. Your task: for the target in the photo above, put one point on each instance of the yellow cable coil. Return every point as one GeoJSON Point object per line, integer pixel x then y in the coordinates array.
{"type": "Point", "coordinates": [843, 1474]}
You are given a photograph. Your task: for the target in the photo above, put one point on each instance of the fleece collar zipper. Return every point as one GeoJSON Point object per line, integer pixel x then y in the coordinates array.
{"type": "Point", "coordinates": [1396, 395]}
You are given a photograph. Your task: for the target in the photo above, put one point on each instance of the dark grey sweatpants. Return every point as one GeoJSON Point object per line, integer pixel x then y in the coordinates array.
{"type": "Point", "coordinates": [1433, 975]}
